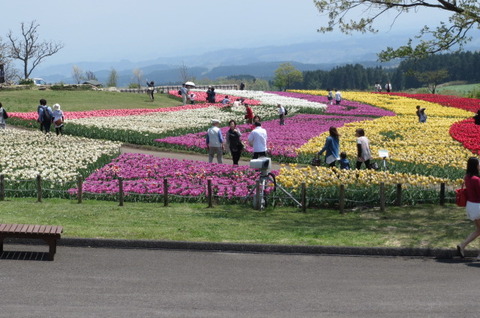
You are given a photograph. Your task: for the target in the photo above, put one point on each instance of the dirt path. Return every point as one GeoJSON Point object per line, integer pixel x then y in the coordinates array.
{"type": "Point", "coordinates": [188, 156]}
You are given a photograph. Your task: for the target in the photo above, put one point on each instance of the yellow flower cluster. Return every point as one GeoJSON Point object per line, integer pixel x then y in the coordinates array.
{"type": "Point", "coordinates": [293, 176]}
{"type": "Point", "coordinates": [403, 136]}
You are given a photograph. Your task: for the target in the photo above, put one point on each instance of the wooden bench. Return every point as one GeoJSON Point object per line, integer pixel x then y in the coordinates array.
{"type": "Point", "coordinates": [49, 233]}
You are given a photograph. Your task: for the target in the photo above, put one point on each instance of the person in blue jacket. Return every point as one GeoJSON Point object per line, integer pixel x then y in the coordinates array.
{"type": "Point", "coordinates": [331, 147]}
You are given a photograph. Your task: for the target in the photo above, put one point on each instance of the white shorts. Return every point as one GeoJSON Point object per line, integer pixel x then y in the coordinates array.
{"type": "Point", "coordinates": [473, 210]}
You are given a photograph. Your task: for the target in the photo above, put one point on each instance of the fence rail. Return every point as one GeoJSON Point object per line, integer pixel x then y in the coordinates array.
{"type": "Point", "coordinates": [340, 197]}
{"type": "Point", "coordinates": [165, 89]}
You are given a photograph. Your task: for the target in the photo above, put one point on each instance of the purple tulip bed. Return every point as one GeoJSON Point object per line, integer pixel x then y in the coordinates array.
{"type": "Point", "coordinates": [144, 175]}
{"type": "Point", "coordinates": [282, 140]}
{"type": "Point", "coordinates": [347, 107]}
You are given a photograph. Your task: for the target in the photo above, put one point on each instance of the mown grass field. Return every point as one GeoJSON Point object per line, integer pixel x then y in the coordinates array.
{"type": "Point", "coordinates": [418, 226]}
{"type": "Point", "coordinates": [458, 90]}
{"type": "Point", "coordinates": [27, 100]}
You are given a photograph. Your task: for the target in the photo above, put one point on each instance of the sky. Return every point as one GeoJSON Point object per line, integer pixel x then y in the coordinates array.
{"type": "Point", "coordinates": [113, 30]}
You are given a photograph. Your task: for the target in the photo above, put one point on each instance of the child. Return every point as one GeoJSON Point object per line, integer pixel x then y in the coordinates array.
{"type": "Point", "coordinates": [344, 162]}
{"type": "Point", "coordinates": [58, 119]}
{"type": "Point", "coordinates": [191, 97]}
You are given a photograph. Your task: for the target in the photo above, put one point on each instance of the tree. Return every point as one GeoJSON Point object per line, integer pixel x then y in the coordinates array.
{"type": "Point", "coordinates": [183, 70]}
{"type": "Point", "coordinates": [432, 78]}
{"type": "Point", "coordinates": [77, 74]}
{"type": "Point", "coordinates": [465, 16]}
{"type": "Point", "coordinates": [286, 75]}
{"type": "Point", "coordinates": [29, 49]}
{"type": "Point", "coordinates": [112, 78]}
{"type": "Point", "coordinates": [138, 75]}
{"type": "Point", "coordinates": [90, 76]}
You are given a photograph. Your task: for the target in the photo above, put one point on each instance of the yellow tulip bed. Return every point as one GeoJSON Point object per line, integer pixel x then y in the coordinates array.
{"type": "Point", "coordinates": [408, 142]}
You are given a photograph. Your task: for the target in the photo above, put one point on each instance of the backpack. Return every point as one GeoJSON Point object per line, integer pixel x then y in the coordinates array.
{"type": "Point", "coordinates": [286, 111]}
{"type": "Point", "coordinates": [5, 115]}
{"type": "Point", "coordinates": [46, 114]}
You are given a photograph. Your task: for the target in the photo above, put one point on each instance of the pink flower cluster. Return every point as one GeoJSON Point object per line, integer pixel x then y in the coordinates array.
{"type": "Point", "coordinates": [144, 174]}
{"type": "Point", "coordinates": [113, 112]}
{"type": "Point", "coordinates": [282, 140]}
{"type": "Point", "coordinates": [202, 97]}
{"type": "Point", "coordinates": [346, 108]}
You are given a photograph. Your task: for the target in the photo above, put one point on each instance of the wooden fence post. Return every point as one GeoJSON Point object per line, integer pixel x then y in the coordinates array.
{"type": "Point", "coordinates": [304, 197]}
{"type": "Point", "coordinates": [2, 187]}
{"type": "Point", "coordinates": [398, 199]}
{"type": "Point", "coordinates": [165, 192]}
{"type": "Point", "coordinates": [341, 199]}
{"type": "Point", "coordinates": [39, 188]}
{"type": "Point", "coordinates": [120, 191]}
{"type": "Point", "coordinates": [79, 189]}
{"type": "Point", "coordinates": [442, 194]}
{"type": "Point", "coordinates": [382, 197]}
{"type": "Point", "coordinates": [209, 193]}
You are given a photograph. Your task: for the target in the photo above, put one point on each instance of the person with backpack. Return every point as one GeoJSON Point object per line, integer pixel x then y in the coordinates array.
{"type": "Point", "coordinates": [45, 116]}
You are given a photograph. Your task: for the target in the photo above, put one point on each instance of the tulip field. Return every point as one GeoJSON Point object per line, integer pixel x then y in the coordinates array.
{"type": "Point", "coordinates": [421, 156]}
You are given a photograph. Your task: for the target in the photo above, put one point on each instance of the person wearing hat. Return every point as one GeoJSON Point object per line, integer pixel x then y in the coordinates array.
{"type": "Point", "coordinates": [215, 142]}
{"type": "Point", "coordinates": [58, 119]}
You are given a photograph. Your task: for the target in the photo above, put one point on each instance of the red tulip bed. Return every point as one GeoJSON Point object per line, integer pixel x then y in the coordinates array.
{"type": "Point", "coordinates": [464, 131]}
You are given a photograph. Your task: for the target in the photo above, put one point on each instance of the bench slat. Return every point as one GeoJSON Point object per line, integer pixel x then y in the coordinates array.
{"type": "Point", "coordinates": [3, 226]}
{"type": "Point", "coordinates": [41, 229]}
{"type": "Point", "coordinates": [36, 228]}
{"type": "Point", "coordinates": [17, 228]}
{"type": "Point", "coordinates": [24, 228]}
{"type": "Point", "coordinates": [30, 228]}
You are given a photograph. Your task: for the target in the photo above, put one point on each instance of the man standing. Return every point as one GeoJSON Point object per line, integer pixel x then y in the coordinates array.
{"type": "Point", "coordinates": [184, 91]}
{"type": "Point", "coordinates": [281, 114]}
{"type": "Point", "coordinates": [44, 116]}
{"type": "Point", "coordinates": [258, 140]}
{"type": "Point", "coordinates": [215, 142]}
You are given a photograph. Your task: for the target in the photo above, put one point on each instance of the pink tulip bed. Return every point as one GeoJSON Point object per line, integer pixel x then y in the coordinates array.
{"type": "Point", "coordinates": [113, 112]}
{"type": "Point", "coordinates": [282, 140]}
{"type": "Point", "coordinates": [347, 107]}
{"type": "Point", "coordinates": [145, 174]}
{"type": "Point", "coordinates": [202, 97]}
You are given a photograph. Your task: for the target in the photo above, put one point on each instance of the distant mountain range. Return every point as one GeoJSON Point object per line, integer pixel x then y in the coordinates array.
{"type": "Point", "coordinates": [259, 62]}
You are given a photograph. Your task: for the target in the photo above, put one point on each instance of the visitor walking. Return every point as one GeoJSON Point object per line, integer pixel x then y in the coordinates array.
{"type": "Point", "coordinates": [330, 96]}
{"type": "Point", "coordinates": [388, 87]}
{"type": "Point", "coordinates": [233, 141]}
{"type": "Point", "coordinates": [184, 92]}
{"type": "Point", "coordinates": [211, 94]}
{"type": "Point", "coordinates": [472, 184]}
{"type": "Point", "coordinates": [338, 97]}
{"type": "Point", "coordinates": [215, 142]}
{"type": "Point", "coordinates": [258, 140]}
{"type": "Point", "coordinates": [363, 149]}
{"type": "Point", "coordinates": [3, 117]}
{"type": "Point", "coordinates": [331, 147]}
{"type": "Point", "coordinates": [58, 119]}
{"type": "Point", "coordinates": [281, 114]}
{"type": "Point", "coordinates": [44, 116]}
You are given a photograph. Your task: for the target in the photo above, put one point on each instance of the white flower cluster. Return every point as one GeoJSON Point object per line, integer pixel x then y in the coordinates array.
{"type": "Point", "coordinates": [272, 99]}
{"type": "Point", "coordinates": [26, 154]}
{"type": "Point", "coordinates": [167, 121]}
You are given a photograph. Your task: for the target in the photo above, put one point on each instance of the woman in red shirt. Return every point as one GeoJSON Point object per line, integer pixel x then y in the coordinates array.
{"type": "Point", "coordinates": [472, 184]}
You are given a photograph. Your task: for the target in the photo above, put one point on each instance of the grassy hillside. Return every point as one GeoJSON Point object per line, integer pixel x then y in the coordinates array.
{"type": "Point", "coordinates": [27, 100]}
{"type": "Point", "coordinates": [458, 90]}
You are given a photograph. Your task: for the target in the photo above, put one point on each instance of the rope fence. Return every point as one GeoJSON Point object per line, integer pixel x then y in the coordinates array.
{"type": "Point", "coordinates": [335, 197]}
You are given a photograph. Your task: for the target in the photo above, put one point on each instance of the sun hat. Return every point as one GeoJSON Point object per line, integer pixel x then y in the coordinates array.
{"type": "Point", "coordinates": [56, 106]}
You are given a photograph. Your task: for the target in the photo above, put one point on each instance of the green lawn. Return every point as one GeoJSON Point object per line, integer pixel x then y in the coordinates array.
{"type": "Point", "coordinates": [419, 226]}
{"type": "Point", "coordinates": [27, 100]}
{"type": "Point", "coordinates": [458, 90]}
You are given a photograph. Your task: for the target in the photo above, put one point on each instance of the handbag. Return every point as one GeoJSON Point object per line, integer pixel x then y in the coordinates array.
{"type": "Point", "coordinates": [461, 196]}
{"type": "Point", "coordinates": [316, 161]}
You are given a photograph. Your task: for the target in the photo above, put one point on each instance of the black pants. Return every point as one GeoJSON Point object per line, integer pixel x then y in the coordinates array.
{"type": "Point", "coordinates": [236, 156]}
{"type": "Point", "coordinates": [259, 154]}
{"type": "Point", "coordinates": [367, 164]}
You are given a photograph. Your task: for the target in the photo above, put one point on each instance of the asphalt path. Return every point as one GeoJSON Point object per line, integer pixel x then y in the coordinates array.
{"type": "Point", "coordinates": [105, 282]}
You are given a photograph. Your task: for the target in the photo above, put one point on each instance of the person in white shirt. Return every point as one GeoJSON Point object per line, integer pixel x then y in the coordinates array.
{"type": "Point", "coordinates": [338, 97]}
{"type": "Point", "coordinates": [363, 149]}
{"type": "Point", "coordinates": [215, 142]}
{"type": "Point", "coordinates": [281, 114]}
{"type": "Point", "coordinates": [258, 140]}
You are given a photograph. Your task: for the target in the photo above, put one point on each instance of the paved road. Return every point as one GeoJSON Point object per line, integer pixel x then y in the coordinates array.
{"type": "Point", "coordinates": [102, 282]}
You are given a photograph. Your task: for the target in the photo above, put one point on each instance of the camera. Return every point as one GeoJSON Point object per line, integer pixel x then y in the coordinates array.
{"type": "Point", "coordinates": [264, 164]}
